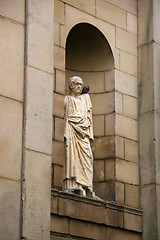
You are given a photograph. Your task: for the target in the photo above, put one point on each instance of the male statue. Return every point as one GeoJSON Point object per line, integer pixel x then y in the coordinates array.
{"type": "Point", "coordinates": [78, 169]}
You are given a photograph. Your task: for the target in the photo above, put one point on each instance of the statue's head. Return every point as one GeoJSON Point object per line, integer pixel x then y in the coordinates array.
{"type": "Point", "coordinates": [76, 84]}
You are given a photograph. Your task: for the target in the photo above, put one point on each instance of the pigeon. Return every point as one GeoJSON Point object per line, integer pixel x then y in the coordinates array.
{"type": "Point", "coordinates": [85, 90]}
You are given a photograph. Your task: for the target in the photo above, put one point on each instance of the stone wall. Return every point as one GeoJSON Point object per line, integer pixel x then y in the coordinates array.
{"type": "Point", "coordinates": [11, 115]}
{"type": "Point", "coordinates": [26, 83]}
{"type": "Point", "coordinates": [116, 171]}
{"type": "Point", "coordinates": [149, 107]}
{"type": "Point", "coordinates": [31, 103]}
{"type": "Point", "coordinates": [74, 217]}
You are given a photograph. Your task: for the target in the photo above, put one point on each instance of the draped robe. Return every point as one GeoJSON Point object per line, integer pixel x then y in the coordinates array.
{"type": "Point", "coordinates": [78, 169]}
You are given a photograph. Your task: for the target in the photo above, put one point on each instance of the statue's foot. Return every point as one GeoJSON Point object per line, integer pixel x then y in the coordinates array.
{"type": "Point", "coordinates": [82, 192]}
{"type": "Point", "coordinates": [78, 190]}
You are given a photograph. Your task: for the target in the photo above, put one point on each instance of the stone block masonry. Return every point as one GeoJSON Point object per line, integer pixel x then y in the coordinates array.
{"type": "Point", "coordinates": [37, 138]}
{"type": "Point", "coordinates": [29, 149]}
{"type": "Point", "coordinates": [149, 49]}
{"type": "Point", "coordinates": [75, 217]}
{"type": "Point", "coordinates": [11, 115]}
{"type": "Point", "coordinates": [113, 93]}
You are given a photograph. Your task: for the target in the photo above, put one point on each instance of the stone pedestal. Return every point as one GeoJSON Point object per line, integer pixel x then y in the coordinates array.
{"type": "Point", "coordinates": [73, 216]}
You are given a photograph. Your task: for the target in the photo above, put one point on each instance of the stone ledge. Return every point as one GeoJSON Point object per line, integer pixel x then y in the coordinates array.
{"type": "Point", "coordinates": [100, 212]}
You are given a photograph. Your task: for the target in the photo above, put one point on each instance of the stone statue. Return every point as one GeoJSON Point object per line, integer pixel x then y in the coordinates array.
{"type": "Point", "coordinates": [78, 169]}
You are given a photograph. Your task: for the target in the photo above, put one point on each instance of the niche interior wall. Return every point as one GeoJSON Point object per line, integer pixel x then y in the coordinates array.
{"type": "Point", "coordinates": [103, 51]}
{"type": "Point", "coordinates": [89, 56]}
{"type": "Point", "coordinates": [97, 40]}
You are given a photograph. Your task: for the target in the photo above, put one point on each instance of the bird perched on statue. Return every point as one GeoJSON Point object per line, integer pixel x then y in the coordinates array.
{"type": "Point", "coordinates": [85, 90]}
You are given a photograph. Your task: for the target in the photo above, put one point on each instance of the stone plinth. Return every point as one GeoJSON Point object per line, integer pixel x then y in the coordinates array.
{"type": "Point", "coordinates": [74, 216]}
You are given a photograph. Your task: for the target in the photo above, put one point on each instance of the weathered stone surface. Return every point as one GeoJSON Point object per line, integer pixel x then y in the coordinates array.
{"type": "Point", "coordinates": [81, 210]}
{"type": "Point", "coordinates": [130, 6]}
{"type": "Point", "coordinates": [148, 203]}
{"type": "Point", "coordinates": [102, 103]}
{"type": "Point", "coordinates": [36, 205]}
{"type": "Point", "coordinates": [130, 106]}
{"type": "Point", "coordinates": [59, 11]}
{"type": "Point", "coordinates": [59, 58]}
{"type": "Point", "coordinates": [103, 147]}
{"type": "Point", "coordinates": [54, 204]}
{"type": "Point", "coordinates": [60, 81]}
{"type": "Point", "coordinates": [11, 138]}
{"type": "Point", "coordinates": [126, 83]}
{"type": "Point", "coordinates": [156, 31]}
{"type": "Point", "coordinates": [98, 170]}
{"type": "Point", "coordinates": [148, 168]}
{"type": "Point", "coordinates": [109, 169]}
{"type": "Point", "coordinates": [98, 126]}
{"type": "Point", "coordinates": [11, 57]}
{"type": "Point", "coordinates": [59, 224]}
{"type": "Point", "coordinates": [53, 127]}
{"type": "Point", "coordinates": [10, 8]}
{"type": "Point", "coordinates": [92, 54]}
{"type": "Point", "coordinates": [40, 24]}
{"type": "Point", "coordinates": [10, 209]}
{"type": "Point", "coordinates": [132, 195]}
{"type": "Point", "coordinates": [88, 230]}
{"type": "Point", "coordinates": [110, 80]}
{"type": "Point", "coordinates": [128, 63]}
{"type": "Point", "coordinates": [85, 210]}
{"type": "Point", "coordinates": [59, 238]}
{"type": "Point", "coordinates": [118, 103]}
{"type": "Point", "coordinates": [95, 80]}
{"type": "Point", "coordinates": [105, 190]}
{"type": "Point", "coordinates": [54, 80]}
{"type": "Point", "coordinates": [147, 148]}
{"type": "Point", "coordinates": [146, 78]}
{"type": "Point", "coordinates": [132, 222]}
{"type": "Point", "coordinates": [75, 16]}
{"type": "Point", "coordinates": [114, 234]}
{"type": "Point", "coordinates": [157, 152]}
{"type": "Point", "coordinates": [119, 193]}
{"type": "Point", "coordinates": [126, 127]}
{"type": "Point", "coordinates": [58, 176]}
{"type": "Point", "coordinates": [109, 124]}
{"type": "Point", "coordinates": [131, 150]}
{"type": "Point", "coordinates": [68, 75]}
{"type": "Point", "coordinates": [58, 152]}
{"type": "Point", "coordinates": [127, 172]}
{"type": "Point", "coordinates": [59, 129]}
{"type": "Point", "coordinates": [39, 111]}
{"type": "Point", "coordinates": [114, 218]}
{"type": "Point", "coordinates": [147, 136]}
{"type": "Point", "coordinates": [83, 5]}
{"type": "Point", "coordinates": [131, 23]}
{"type": "Point", "coordinates": [158, 207]}
{"type": "Point", "coordinates": [56, 33]}
{"type": "Point", "coordinates": [119, 147]}
{"type": "Point", "coordinates": [110, 13]}
{"type": "Point", "coordinates": [58, 105]}
{"type": "Point", "coordinates": [156, 50]}
{"type": "Point", "coordinates": [145, 18]}
{"type": "Point", "coordinates": [126, 41]}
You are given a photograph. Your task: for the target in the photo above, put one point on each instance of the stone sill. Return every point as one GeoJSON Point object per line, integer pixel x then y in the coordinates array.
{"type": "Point", "coordinates": [96, 211]}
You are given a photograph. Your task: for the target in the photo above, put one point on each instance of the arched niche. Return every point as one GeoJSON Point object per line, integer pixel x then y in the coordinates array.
{"type": "Point", "coordinates": [89, 55]}
{"type": "Point", "coordinates": [88, 50]}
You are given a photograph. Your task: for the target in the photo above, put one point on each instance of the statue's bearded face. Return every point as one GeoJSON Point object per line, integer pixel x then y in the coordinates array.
{"type": "Point", "coordinates": [76, 86]}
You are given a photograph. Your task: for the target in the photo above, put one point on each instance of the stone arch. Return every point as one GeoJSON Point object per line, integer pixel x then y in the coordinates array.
{"type": "Point", "coordinates": [107, 30]}
{"type": "Point", "coordinates": [89, 55]}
